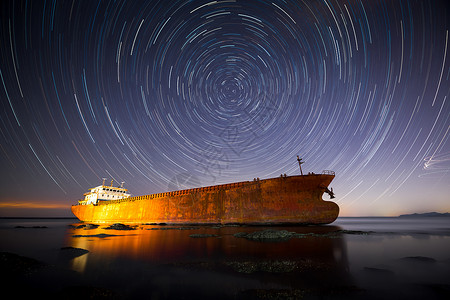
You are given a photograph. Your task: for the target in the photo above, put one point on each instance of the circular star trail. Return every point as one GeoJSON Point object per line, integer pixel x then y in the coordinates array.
{"type": "Point", "coordinates": [148, 92]}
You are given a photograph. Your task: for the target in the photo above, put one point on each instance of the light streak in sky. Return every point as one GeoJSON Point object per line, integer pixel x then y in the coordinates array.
{"type": "Point", "coordinates": [225, 91]}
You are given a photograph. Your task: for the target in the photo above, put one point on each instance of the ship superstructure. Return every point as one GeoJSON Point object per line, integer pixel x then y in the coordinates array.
{"type": "Point", "coordinates": [103, 193]}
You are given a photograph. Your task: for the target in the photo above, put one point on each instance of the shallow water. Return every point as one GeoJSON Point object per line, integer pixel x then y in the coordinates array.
{"type": "Point", "coordinates": [356, 258]}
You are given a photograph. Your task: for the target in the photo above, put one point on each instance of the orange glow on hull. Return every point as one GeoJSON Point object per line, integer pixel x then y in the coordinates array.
{"type": "Point", "coordinates": [284, 200]}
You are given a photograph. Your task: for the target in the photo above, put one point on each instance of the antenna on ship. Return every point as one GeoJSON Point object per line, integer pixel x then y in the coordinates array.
{"type": "Point", "coordinates": [112, 181]}
{"type": "Point", "coordinates": [103, 181]}
{"type": "Point", "coordinates": [121, 185]}
{"type": "Point", "coordinates": [300, 162]}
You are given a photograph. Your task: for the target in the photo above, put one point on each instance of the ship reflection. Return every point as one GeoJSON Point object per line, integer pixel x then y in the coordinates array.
{"type": "Point", "coordinates": [169, 262]}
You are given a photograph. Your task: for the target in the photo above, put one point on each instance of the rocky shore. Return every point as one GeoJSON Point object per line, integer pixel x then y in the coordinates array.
{"type": "Point", "coordinates": [122, 261]}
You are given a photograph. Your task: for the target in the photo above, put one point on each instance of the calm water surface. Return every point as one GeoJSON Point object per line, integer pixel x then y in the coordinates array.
{"type": "Point", "coordinates": [353, 258]}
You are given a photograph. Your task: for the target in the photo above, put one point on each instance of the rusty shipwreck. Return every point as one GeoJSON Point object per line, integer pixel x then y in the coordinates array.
{"type": "Point", "coordinates": [281, 200]}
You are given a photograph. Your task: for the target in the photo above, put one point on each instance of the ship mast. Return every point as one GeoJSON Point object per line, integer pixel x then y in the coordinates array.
{"type": "Point", "coordinates": [300, 162]}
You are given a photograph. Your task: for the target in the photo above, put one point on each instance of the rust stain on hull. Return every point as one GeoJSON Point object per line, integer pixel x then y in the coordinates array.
{"type": "Point", "coordinates": [283, 200]}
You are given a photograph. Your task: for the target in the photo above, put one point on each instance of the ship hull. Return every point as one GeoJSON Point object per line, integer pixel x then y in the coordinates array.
{"type": "Point", "coordinates": [283, 200]}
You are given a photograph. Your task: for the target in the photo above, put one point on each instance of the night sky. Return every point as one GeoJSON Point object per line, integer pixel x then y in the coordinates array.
{"type": "Point", "coordinates": [166, 95]}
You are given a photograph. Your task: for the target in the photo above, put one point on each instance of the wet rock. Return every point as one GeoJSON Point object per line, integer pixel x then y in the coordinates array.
{"type": "Point", "coordinates": [357, 232]}
{"type": "Point", "coordinates": [202, 235]}
{"type": "Point", "coordinates": [85, 226]}
{"type": "Point", "coordinates": [277, 266]}
{"type": "Point", "coordinates": [420, 259]}
{"type": "Point", "coordinates": [178, 228]}
{"type": "Point", "coordinates": [71, 252]}
{"type": "Point", "coordinates": [240, 234]}
{"type": "Point", "coordinates": [13, 264]}
{"type": "Point", "coordinates": [268, 235]}
{"type": "Point", "coordinates": [91, 226]}
{"type": "Point", "coordinates": [273, 294]}
{"type": "Point", "coordinates": [101, 235]}
{"type": "Point", "coordinates": [172, 228]}
{"type": "Point", "coordinates": [333, 234]}
{"type": "Point", "coordinates": [272, 235]}
{"type": "Point", "coordinates": [77, 226]}
{"type": "Point", "coordinates": [314, 292]}
{"type": "Point", "coordinates": [120, 226]}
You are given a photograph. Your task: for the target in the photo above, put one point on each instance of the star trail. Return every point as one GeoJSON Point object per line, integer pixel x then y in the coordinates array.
{"type": "Point", "coordinates": [166, 95]}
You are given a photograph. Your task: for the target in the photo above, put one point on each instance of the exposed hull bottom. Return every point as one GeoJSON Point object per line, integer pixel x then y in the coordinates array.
{"type": "Point", "coordinates": [276, 201]}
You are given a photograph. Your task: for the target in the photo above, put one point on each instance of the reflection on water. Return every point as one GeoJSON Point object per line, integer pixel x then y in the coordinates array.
{"type": "Point", "coordinates": [173, 262]}
{"type": "Point", "coordinates": [357, 258]}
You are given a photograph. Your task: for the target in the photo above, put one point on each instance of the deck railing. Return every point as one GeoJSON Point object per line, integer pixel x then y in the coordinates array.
{"type": "Point", "coordinates": [176, 193]}
{"type": "Point", "coordinates": [328, 172]}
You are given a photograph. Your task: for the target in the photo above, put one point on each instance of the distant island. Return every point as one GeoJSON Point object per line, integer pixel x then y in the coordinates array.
{"type": "Point", "coordinates": [425, 215]}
